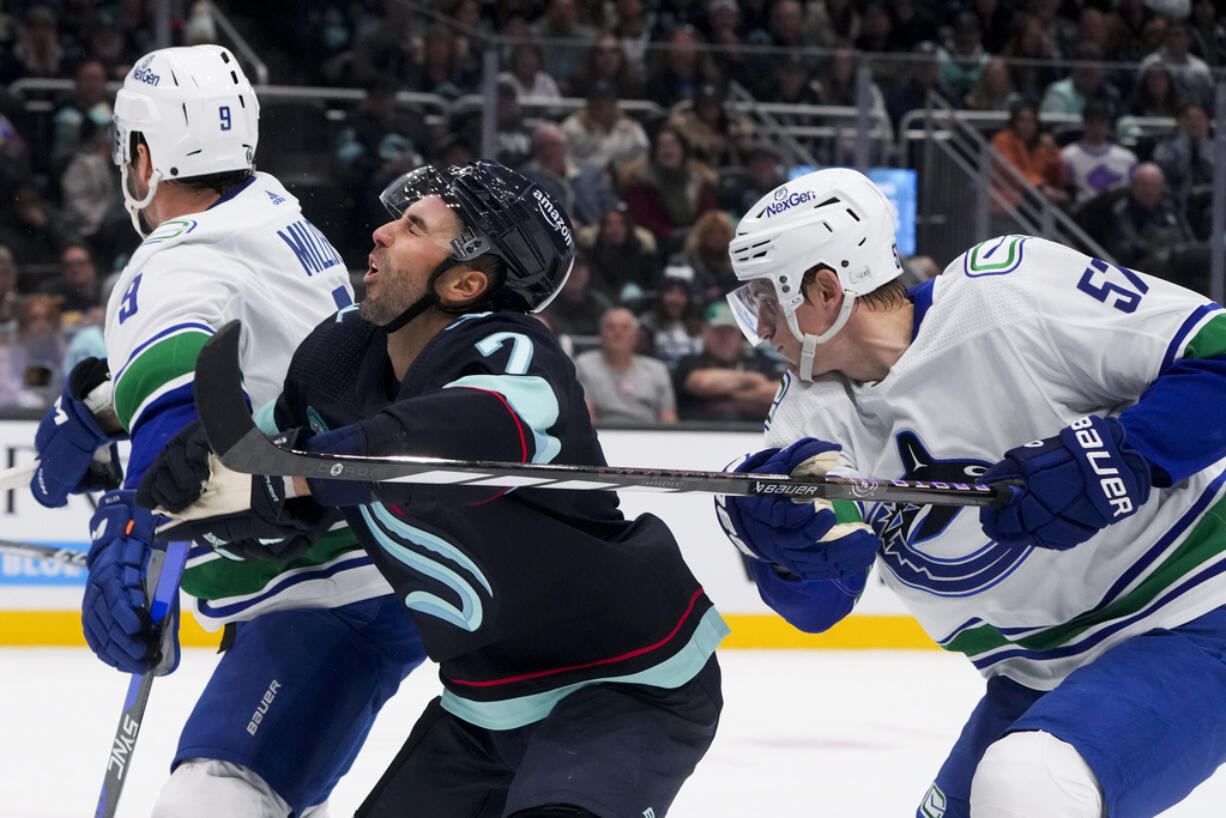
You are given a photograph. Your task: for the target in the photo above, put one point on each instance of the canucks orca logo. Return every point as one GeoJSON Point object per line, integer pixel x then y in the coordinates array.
{"type": "Point", "coordinates": [903, 529]}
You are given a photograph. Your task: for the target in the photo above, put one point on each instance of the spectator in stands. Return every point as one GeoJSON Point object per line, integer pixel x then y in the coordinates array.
{"type": "Point", "coordinates": [763, 173]}
{"type": "Point", "coordinates": [727, 381]}
{"type": "Point", "coordinates": [1131, 18]}
{"type": "Point", "coordinates": [77, 289]}
{"type": "Point", "coordinates": [1093, 164]}
{"type": "Point", "coordinates": [440, 69]}
{"type": "Point", "coordinates": [877, 29]}
{"type": "Point", "coordinates": [1094, 27]}
{"type": "Point", "coordinates": [107, 45]}
{"type": "Point", "coordinates": [914, 23]}
{"type": "Point", "coordinates": [1208, 32]}
{"type": "Point", "coordinates": [1154, 93]}
{"type": "Point", "coordinates": [1186, 158]}
{"type": "Point", "coordinates": [1192, 76]}
{"type": "Point", "coordinates": [725, 32]}
{"type": "Point", "coordinates": [8, 294]}
{"type": "Point", "coordinates": [37, 52]}
{"type": "Point", "coordinates": [30, 367]}
{"type": "Point", "coordinates": [1032, 50]}
{"type": "Point", "coordinates": [706, 251]}
{"type": "Point", "coordinates": [89, 100]}
{"type": "Point", "coordinates": [828, 23]}
{"type": "Point", "coordinates": [666, 191]}
{"type": "Point", "coordinates": [583, 193]}
{"type": "Point", "coordinates": [994, 91]}
{"type": "Point", "coordinates": [995, 19]}
{"type": "Point", "coordinates": [607, 61]}
{"type": "Point", "coordinates": [577, 309]}
{"type": "Point", "coordinates": [1147, 227]}
{"type": "Point", "coordinates": [620, 386]}
{"type": "Point", "coordinates": [679, 69]}
{"type": "Point", "coordinates": [512, 139]}
{"type": "Point", "coordinates": [601, 136]}
{"type": "Point", "coordinates": [633, 34]}
{"type": "Point", "coordinates": [622, 253]}
{"type": "Point", "coordinates": [526, 74]}
{"type": "Point", "coordinates": [380, 141]}
{"type": "Point", "coordinates": [1153, 35]}
{"type": "Point", "coordinates": [199, 28]}
{"type": "Point", "coordinates": [32, 229]}
{"type": "Point", "coordinates": [90, 186]}
{"type": "Point", "coordinates": [1085, 82]}
{"type": "Point", "coordinates": [671, 15]}
{"type": "Point", "coordinates": [671, 328]}
{"type": "Point", "coordinates": [1031, 151]}
{"type": "Point", "coordinates": [922, 76]}
{"type": "Point", "coordinates": [716, 135]}
{"type": "Point", "coordinates": [792, 83]}
{"type": "Point", "coordinates": [963, 59]}
{"type": "Point", "coordinates": [561, 22]}
{"type": "Point", "coordinates": [14, 152]}
{"type": "Point", "coordinates": [382, 47]}
{"type": "Point", "coordinates": [454, 149]}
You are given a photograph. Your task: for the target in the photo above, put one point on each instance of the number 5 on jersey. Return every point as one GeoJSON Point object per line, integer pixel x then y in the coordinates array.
{"type": "Point", "coordinates": [1124, 297]}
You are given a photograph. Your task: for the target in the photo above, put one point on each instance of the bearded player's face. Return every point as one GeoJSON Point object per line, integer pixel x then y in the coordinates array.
{"type": "Point", "coordinates": [406, 251]}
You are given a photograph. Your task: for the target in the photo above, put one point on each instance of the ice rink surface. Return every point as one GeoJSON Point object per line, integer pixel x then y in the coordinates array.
{"type": "Point", "coordinates": [804, 733]}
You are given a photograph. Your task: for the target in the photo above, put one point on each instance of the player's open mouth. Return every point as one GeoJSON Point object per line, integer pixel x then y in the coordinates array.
{"type": "Point", "coordinates": [372, 269]}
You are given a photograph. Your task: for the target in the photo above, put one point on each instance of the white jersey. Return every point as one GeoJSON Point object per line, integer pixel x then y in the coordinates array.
{"type": "Point", "coordinates": [251, 256]}
{"type": "Point", "coordinates": [1022, 337]}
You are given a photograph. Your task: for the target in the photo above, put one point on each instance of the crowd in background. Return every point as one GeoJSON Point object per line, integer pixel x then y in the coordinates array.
{"type": "Point", "coordinates": [654, 190]}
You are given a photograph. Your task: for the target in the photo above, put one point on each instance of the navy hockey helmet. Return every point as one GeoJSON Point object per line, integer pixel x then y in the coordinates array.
{"type": "Point", "coordinates": [504, 214]}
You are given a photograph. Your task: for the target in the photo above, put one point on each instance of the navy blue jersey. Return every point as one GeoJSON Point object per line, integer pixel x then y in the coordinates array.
{"type": "Point", "coordinates": [520, 594]}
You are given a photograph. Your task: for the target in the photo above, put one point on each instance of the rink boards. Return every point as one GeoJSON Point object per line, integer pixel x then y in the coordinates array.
{"type": "Point", "coordinates": [39, 602]}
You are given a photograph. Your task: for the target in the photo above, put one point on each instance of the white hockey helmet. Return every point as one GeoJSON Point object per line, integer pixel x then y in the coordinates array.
{"type": "Point", "coordinates": [834, 217]}
{"type": "Point", "coordinates": [196, 111]}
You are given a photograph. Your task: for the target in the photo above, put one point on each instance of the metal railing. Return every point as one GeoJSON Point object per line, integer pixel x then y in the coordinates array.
{"type": "Point", "coordinates": [959, 167]}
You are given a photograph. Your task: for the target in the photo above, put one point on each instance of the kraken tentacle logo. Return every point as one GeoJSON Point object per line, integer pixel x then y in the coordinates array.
{"type": "Point", "coordinates": [420, 551]}
{"type": "Point", "coordinates": [904, 528]}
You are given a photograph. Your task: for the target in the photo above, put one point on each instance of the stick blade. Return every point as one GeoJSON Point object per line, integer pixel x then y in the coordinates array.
{"type": "Point", "coordinates": [219, 390]}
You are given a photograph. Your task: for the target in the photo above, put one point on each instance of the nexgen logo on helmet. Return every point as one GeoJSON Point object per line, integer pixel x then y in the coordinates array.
{"type": "Point", "coordinates": [834, 217]}
{"type": "Point", "coordinates": [195, 110]}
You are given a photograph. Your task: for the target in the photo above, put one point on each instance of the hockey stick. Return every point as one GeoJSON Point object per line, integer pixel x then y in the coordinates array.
{"type": "Point", "coordinates": [43, 552]}
{"type": "Point", "coordinates": [17, 476]}
{"type": "Point", "coordinates": [165, 569]}
{"type": "Point", "coordinates": [244, 448]}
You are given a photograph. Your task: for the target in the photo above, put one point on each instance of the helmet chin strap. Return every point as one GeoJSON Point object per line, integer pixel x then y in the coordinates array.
{"type": "Point", "coordinates": [809, 342]}
{"type": "Point", "coordinates": [430, 299]}
{"type": "Point", "coordinates": [133, 205]}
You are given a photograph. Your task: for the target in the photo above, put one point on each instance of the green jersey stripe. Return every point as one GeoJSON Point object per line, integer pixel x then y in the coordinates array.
{"type": "Point", "coordinates": [226, 578]}
{"type": "Point", "coordinates": [1202, 545]}
{"type": "Point", "coordinates": [1209, 341]}
{"type": "Point", "coordinates": [161, 363]}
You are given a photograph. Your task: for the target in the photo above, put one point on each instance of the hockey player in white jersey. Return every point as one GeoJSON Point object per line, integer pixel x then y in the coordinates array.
{"type": "Point", "coordinates": [319, 644]}
{"type": "Point", "coordinates": [1095, 601]}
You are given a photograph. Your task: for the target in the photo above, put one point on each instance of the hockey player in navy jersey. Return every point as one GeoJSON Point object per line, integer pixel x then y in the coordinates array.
{"type": "Point", "coordinates": [314, 627]}
{"type": "Point", "coordinates": [576, 648]}
{"type": "Point", "coordinates": [1093, 601]}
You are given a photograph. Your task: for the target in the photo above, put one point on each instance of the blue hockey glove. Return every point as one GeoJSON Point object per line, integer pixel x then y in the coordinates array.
{"type": "Point", "coordinates": [1072, 486]}
{"type": "Point", "coordinates": [115, 612]}
{"type": "Point", "coordinates": [240, 515]}
{"type": "Point", "coordinates": [805, 539]}
{"type": "Point", "coordinates": [68, 439]}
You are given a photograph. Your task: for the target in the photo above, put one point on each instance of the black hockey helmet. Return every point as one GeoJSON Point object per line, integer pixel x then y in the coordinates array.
{"type": "Point", "coordinates": [504, 214]}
